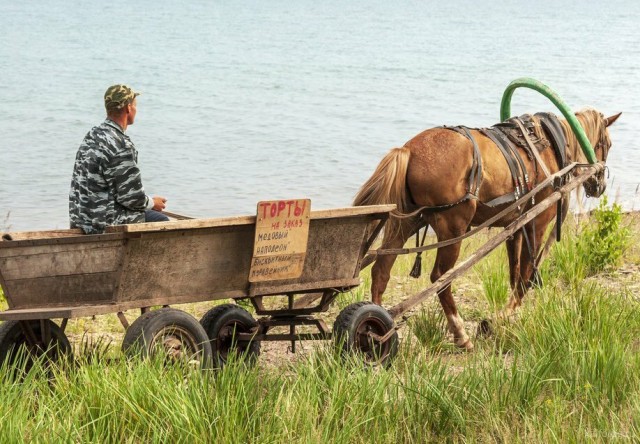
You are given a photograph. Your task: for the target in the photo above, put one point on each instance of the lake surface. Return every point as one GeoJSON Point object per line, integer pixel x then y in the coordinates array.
{"type": "Point", "coordinates": [245, 101]}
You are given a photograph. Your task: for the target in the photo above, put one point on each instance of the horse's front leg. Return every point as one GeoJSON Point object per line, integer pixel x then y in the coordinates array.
{"type": "Point", "coordinates": [521, 281]}
{"type": "Point", "coordinates": [514, 248]}
{"type": "Point", "coordinates": [381, 270]}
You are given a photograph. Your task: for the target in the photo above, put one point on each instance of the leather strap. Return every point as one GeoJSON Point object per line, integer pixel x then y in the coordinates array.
{"type": "Point", "coordinates": [512, 168]}
{"type": "Point", "coordinates": [555, 134]}
{"type": "Point", "coordinates": [476, 166]}
{"type": "Point", "coordinates": [508, 156]}
{"type": "Point", "coordinates": [533, 148]}
{"type": "Point", "coordinates": [505, 198]}
{"type": "Point", "coordinates": [513, 149]}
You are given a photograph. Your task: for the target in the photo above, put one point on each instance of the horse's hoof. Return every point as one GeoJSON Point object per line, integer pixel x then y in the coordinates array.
{"type": "Point", "coordinates": [485, 328]}
{"type": "Point", "coordinates": [467, 345]}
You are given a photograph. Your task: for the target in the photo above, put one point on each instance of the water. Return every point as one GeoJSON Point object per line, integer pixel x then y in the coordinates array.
{"type": "Point", "coordinates": [254, 100]}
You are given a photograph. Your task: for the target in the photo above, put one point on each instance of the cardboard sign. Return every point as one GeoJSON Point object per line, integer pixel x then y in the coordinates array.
{"type": "Point", "coordinates": [280, 245]}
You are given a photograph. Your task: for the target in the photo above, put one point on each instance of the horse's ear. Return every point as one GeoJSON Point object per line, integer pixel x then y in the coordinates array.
{"type": "Point", "coordinates": [609, 120]}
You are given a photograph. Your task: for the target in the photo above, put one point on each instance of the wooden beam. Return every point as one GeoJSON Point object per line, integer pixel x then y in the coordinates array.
{"type": "Point", "coordinates": [243, 220]}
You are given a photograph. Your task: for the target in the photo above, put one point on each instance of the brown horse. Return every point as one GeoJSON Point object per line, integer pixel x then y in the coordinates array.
{"type": "Point", "coordinates": [435, 170]}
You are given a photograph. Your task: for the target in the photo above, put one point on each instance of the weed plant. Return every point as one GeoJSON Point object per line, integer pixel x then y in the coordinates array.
{"type": "Point", "coordinates": [599, 245]}
{"type": "Point", "coordinates": [494, 275]}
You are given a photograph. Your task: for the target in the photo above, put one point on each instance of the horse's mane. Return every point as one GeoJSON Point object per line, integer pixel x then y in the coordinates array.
{"type": "Point", "coordinates": [592, 122]}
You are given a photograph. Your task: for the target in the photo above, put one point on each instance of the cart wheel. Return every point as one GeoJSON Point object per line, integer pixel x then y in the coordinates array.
{"type": "Point", "coordinates": [169, 332]}
{"type": "Point", "coordinates": [221, 323]}
{"type": "Point", "coordinates": [353, 331]}
{"type": "Point", "coordinates": [37, 338]}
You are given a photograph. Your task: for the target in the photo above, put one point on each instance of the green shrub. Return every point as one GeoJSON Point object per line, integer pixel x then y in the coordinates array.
{"type": "Point", "coordinates": [597, 246]}
{"type": "Point", "coordinates": [605, 239]}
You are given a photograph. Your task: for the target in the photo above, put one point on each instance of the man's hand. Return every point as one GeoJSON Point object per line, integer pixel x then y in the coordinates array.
{"type": "Point", "coordinates": [159, 203]}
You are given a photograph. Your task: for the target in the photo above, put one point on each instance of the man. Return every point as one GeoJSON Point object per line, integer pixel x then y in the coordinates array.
{"type": "Point", "coordinates": [106, 187]}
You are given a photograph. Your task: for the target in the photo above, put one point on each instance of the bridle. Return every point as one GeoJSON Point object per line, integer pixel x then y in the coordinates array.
{"type": "Point", "coordinates": [603, 144]}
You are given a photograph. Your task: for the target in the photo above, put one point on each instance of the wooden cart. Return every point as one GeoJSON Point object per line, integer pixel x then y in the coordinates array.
{"type": "Point", "coordinates": [64, 274]}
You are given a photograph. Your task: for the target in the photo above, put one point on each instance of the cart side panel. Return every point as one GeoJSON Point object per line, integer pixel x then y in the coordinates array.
{"type": "Point", "coordinates": [87, 289]}
{"type": "Point", "coordinates": [188, 265]}
{"type": "Point", "coordinates": [60, 274]}
{"type": "Point", "coordinates": [333, 253]}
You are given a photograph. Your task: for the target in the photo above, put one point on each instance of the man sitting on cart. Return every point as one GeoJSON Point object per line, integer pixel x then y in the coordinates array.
{"type": "Point", "coordinates": [106, 186]}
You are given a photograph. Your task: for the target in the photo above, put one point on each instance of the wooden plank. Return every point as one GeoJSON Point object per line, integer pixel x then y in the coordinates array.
{"type": "Point", "coordinates": [76, 311]}
{"type": "Point", "coordinates": [176, 216]}
{"type": "Point", "coordinates": [122, 265]}
{"type": "Point", "coordinates": [181, 225]}
{"type": "Point", "coordinates": [243, 220]}
{"type": "Point", "coordinates": [28, 249]}
{"type": "Point", "coordinates": [54, 312]}
{"type": "Point", "coordinates": [48, 234]}
{"type": "Point", "coordinates": [352, 211]}
{"type": "Point", "coordinates": [79, 239]}
{"type": "Point", "coordinates": [84, 259]}
{"type": "Point", "coordinates": [182, 299]}
{"type": "Point", "coordinates": [306, 300]}
{"type": "Point", "coordinates": [61, 290]}
{"type": "Point", "coordinates": [5, 288]}
{"type": "Point", "coordinates": [269, 288]}
{"type": "Point", "coordinates": [187, 263]}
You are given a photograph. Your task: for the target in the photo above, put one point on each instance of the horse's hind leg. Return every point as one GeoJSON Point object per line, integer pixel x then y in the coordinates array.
{"type": "Point", "coordinates": [514, 247]}
{"type": "Point", "coordinates": [528, 255]}
{"type": "Point", "coordinates": [450, 225]}
{"type": "Point", "coordinates": [527, 269]}
{"type": "Point", "coordinates": [381, 270]}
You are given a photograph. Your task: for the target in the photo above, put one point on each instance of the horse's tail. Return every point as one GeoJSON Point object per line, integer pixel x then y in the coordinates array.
{"type": "Point", "coordinates": [388, 185]}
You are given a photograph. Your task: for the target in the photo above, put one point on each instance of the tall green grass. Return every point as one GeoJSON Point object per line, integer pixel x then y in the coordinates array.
{"type": "Point", "coordinates": [493, 272]}
{"type": "Point", "coordinates": [567, 369]}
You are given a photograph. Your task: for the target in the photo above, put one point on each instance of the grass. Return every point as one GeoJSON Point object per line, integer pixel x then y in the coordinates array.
{"type": "Point", "coordinates": [566, 369]}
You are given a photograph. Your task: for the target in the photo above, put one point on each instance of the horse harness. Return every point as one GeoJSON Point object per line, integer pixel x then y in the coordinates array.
{"type": "Point", "coordinates": [517, 132]}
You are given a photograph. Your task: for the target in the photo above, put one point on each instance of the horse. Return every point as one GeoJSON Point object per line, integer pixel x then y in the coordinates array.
{"type": "Point", "coordinates": [446, 179]}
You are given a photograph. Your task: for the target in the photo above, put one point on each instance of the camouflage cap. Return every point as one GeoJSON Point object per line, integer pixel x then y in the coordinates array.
{"type": "Point", "coordinates": [117, 96]}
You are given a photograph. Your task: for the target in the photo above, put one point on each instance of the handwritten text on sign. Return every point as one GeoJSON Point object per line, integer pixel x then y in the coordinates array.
{"type": "Point", "coordinates": [280, 245]}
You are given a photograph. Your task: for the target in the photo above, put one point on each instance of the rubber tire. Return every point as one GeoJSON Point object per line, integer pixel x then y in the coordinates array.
{"type": "Point", "coordinates": [139, 336]}
{"type": "Point", "coordinates": [12, 337]}
{"type": "Point", "coordinates": [346, 338]}
{"type": "Point", "coordinates": [221, 317]}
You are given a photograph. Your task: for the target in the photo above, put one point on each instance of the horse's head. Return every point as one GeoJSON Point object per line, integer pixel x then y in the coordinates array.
{"type": "Point", "coordinates": [597, 128]}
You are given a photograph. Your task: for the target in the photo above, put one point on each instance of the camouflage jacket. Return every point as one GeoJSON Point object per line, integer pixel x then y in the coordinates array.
{"type": "Point", "coordinates": [106, 187]}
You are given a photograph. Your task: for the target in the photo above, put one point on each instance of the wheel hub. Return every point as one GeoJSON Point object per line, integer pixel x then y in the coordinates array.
{"type": "Point", "coordinates": [176, 343]}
